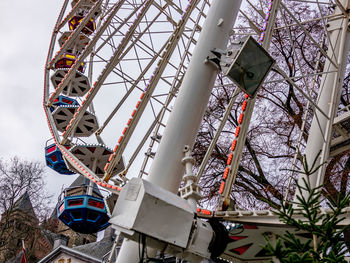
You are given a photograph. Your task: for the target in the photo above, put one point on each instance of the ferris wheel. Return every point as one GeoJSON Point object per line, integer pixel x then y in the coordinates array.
{"type": "Point", "coordinates": [123, 51]}
{"type": "Point", "coordinates": [114, 70]}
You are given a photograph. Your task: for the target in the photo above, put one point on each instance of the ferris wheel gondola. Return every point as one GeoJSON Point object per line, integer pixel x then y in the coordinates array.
{"type": "Point", "coordinates": [83, 209]}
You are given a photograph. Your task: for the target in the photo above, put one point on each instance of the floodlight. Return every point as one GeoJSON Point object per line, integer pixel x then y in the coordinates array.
{"type": "Point", "coordinates": [250, 66]}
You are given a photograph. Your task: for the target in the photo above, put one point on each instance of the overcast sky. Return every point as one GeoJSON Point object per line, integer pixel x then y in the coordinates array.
{"type": "Point", "coordinates": [26, 31]}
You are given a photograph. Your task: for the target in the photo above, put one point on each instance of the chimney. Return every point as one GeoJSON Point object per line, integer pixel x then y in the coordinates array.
{"type": "Point", "coordinates": [60, 240]}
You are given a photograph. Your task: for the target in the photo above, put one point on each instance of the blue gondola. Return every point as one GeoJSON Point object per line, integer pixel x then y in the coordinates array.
{"type": "Point", "coordinates": [63, 100]}
{"type": "Point", "coordinates": [85, 214]}
{"type": "Point", "coordinates": [55, 161]}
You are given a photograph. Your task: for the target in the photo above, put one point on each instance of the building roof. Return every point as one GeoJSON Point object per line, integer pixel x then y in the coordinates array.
{"type": "Point", "coordinates": [96, 249]}
{"type": "Point", "coordinates": [54, 213]}
{"type": "Point", "coordinates": [100, 248]}
{"type": "Point", "coordinates": [24, 204]}
{"type": "Point", "coordinates": [70, 251]}
{"type": "Point", "coordinates": [92, 252]}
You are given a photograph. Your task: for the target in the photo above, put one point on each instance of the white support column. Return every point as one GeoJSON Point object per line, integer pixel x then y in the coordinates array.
{"type": "Point", "coordinates": [183, 124]}
{"type": "Point", "coordinates": [320, 133]}
{"type": "Point", "coordinates": [167, 170]}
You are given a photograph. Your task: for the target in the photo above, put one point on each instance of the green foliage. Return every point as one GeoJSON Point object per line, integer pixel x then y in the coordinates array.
{"type": "Point", "coordinates": [304, 215]}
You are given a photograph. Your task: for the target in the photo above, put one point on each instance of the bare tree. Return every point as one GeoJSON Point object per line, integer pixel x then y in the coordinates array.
{"type": "Point", "coordinates": [23, 204]}
{"type": "Point", "coordinates": [272, 140]}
